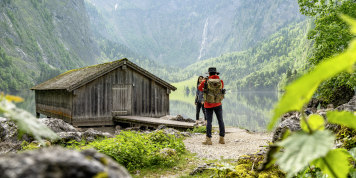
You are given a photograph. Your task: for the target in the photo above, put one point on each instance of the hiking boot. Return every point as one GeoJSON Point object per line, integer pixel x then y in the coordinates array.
{"type": "Point", "coordinates": [222, 140]}
{"type": "Point", "coordinates": [207, 141]}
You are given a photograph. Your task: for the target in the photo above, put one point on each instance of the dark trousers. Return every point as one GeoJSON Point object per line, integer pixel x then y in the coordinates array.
{"type": "Point", "coordinates": [219, 115]}
{"type": "Point", "coordinates": [199, 105]}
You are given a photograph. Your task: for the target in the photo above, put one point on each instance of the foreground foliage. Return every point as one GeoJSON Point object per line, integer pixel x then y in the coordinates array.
{"type": "Point", "coordinates": [313, 145]}
{"type": "Point", "coordinates": [135, 150]}
{"type": "Point", "coordinates": [26, 122]}
{"type": "Point", "coordinates": [330, 36]}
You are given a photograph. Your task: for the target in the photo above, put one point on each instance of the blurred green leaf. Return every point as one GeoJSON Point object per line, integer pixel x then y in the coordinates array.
{"type": "Point", "coordinates": [342, 118]}
{"type": "Point", "coordinates": [352, 153]}
{"type": "Point", "coordinates": [352, 173]}
{"type": "Point", "coordinates": [315, 121]}
{"type": "Point", "coordinates": [335, 164]}
{"type": "Point", "coordinates": [350, 21]}
{"type": "Point", "coordinates": [301, 148]}
{"type": "Point", "coordinates": [26, 122]}
{"type": "Point", "coordinates": [299, 92]}
{"type": "Point", "coordinates": [14, 98]}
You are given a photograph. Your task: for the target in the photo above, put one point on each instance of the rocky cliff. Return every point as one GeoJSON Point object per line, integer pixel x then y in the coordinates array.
{"type": "Point", "coordinates": [185, 32]}
{"type": "Point", "coordinates": [41, 34]}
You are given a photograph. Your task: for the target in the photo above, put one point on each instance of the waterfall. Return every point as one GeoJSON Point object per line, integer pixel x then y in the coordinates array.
{"type": "Point", "coordinates": [204, 37]}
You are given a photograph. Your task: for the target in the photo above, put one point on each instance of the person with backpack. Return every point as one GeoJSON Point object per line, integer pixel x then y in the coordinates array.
{"type": "Point", "coordinates": [199, 101]}
{"type": "Point", "coordinates": [213, 94]}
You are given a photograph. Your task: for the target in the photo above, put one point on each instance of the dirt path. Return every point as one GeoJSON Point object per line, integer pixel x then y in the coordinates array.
{"type": "Point", "coordinates": [238, 142]}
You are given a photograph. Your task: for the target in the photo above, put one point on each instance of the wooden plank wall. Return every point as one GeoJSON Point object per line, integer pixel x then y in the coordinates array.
{"type": "Point", "coordinates": [54, 103]}
{"type": "Point", "coordinates": [121, 99]}
{"type": "Point", "coordinates": [92, 103]}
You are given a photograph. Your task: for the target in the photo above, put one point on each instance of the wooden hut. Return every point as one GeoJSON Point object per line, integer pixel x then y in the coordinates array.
{"type": "Point", "coordinates": [92, 96]}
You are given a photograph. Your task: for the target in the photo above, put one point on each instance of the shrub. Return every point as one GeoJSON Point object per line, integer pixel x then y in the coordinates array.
{"type": "Point", "coordinates": [198, 130]}
{"type": "Point", "coordinates": [135, 150]}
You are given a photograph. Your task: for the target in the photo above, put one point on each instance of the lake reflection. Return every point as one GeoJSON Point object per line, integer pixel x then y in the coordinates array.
{"type": "Point", "coordinates": [249, 110]}
{"type": "Point", "coordinates": [29, 101]}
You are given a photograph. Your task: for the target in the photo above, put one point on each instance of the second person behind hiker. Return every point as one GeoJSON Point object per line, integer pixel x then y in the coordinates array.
{"type": "Point", "coordinates": [199, 101]}
{"type": "Point", "coordinates": [213, 95]}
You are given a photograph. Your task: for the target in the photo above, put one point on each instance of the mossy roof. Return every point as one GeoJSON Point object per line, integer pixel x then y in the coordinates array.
{"type": "Point", "coordinates": [76, 78]}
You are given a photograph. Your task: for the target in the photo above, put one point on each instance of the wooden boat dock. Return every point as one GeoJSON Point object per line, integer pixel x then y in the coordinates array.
{"type": "Point", "coordinates": [153, 122]}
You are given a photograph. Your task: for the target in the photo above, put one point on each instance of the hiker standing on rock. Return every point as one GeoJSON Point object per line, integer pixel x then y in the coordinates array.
{"type": "Point", "coordinates": [199, 101]}
{"type": "Point", "coordinates": [213, 94]}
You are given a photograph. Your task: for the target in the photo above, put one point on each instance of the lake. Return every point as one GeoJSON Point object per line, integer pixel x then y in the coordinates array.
{"type": "Point", "coordinates": [250, 110]}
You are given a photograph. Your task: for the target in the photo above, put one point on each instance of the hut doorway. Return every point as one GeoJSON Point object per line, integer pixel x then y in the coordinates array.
{"type": "Point", "coordinates": [121, 100]}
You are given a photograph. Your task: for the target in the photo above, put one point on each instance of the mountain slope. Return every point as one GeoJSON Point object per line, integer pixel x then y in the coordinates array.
{"type": "Point", "coordinates": [269, 65]}
{"type": "Point", "coordinates": [44, 38]}
{"type": "Point", "coordinates": [180, 33]}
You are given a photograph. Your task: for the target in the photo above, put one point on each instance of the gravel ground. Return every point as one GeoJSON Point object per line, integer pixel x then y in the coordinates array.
{"type": "Point", "coordinates": [237, 142]}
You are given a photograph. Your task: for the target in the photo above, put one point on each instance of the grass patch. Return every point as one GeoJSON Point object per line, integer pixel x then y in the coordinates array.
{"type": "Point", "coordinates": [192, 82]}
{"type": "Point", "coordinates": [201, 129]}
{"type": "Point", "coordinates": [135, 150]}
{"type": "Point", "coordinates": [186, 163]}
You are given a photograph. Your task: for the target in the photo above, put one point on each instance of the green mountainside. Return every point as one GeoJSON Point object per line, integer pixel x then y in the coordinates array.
{"type": "Point", "coordinates": [269, 65]}
{"type": "Point", "coordinates": [41, 39]}
{"type": "Point", "coordinates": [114, 51]}
{"type": "Point", "coordinates": [181, 33]}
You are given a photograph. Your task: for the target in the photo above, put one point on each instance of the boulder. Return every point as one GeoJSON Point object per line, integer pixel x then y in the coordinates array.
{"type": "Point", "coordinates": [57, 125]}
{"type": "Point", "coordinates": [349, 106]}
{"type": "Point", "coordinates": [186, 134]}
{"type": "Point", "coordinates": [60, 162]}
{"type": "Point", "coordinates": [179, 118]}
{"type": "Point", "coordinates": [9, 147]}
{"type": "Point", "coordinates": [189, 120]}
{"type": "Point", "coordinates": [292, 123]}
{"type": "Point", "coordinates": [171, 131]}
{"type": "Point", "coordinates": [68, 136]}
{"type": "Point", "coordinates": [168, 152]}
{"type": "Point", "coordinates": [118, 127]}
{"type": "Point", "coordinates": [289, 114]}
{"type": "Point", "coordinates": [9, 132]}
{"type": "Point", "coordinates": [160, 127]}
{"type": "Point", "coordinates": [91, 134]}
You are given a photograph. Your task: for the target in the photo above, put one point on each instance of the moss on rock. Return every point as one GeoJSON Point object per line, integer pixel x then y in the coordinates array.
{"type": "Point", "coordinates": [247, 167]}
{"type": "Point", "coordinates": [347, 137]}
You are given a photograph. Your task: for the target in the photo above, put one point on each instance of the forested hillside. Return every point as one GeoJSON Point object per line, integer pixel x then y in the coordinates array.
{"type": "Point", "coordinates": [258, 44]}
{"type": "Point", "coordinates": [114, 51]}
{"type": "Point", "coordinates": [181, 33]}
{"type": "Point", "coordinates": [39, 39]}
{"type": "Point", "coordinates": [331, 36]}
{"type": "Point", "coordinates": [278, 59]}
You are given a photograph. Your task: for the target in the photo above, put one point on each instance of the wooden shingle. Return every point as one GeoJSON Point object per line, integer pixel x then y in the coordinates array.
{"type": "Point", "coordinates": [76, 78]}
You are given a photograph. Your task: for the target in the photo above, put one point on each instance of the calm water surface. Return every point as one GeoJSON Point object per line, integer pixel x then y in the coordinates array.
{"type": "Point", "coordinates": [249, 110]}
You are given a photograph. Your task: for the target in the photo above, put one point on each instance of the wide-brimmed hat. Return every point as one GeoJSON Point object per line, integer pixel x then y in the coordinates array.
{"type": "Point", "coordinates": [212, 69]}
